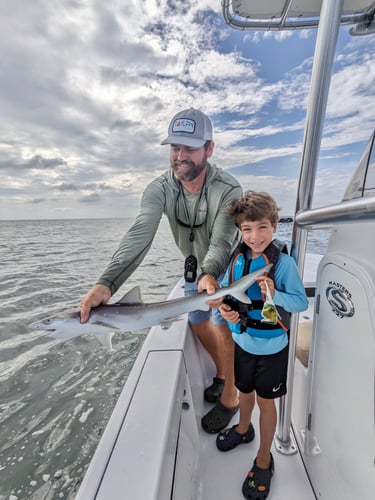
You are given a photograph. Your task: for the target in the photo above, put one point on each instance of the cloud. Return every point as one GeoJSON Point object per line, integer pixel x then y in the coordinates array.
{"type": "Point", "coordinates": [90, 198]}
{"type": "Point", "coordinates": [87, 89]}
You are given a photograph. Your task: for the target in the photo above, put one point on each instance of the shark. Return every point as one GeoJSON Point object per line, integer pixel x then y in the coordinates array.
{"type": "Point", "coordinates": [130, 313]}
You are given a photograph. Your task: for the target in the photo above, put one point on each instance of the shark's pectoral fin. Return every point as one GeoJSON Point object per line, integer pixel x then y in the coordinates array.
{"type": "Point", "coordinates": [103, 325]}
{"type": "Point", "coordinates": [105, 338]}
{"type": "Point", "coordinates": [167, 323]}
{"type": "Point", "coordinates": [101, 332]}
{"type": "Point", "coordinates": [104, 333]}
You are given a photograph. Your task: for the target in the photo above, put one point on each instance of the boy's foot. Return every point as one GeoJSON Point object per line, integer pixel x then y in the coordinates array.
{"type": "Point", "coordinates": [257, 483]}
{"type": "Point", "coordinates": [213, 392]}
{"type": "Point", "coordinates": [230, 438]}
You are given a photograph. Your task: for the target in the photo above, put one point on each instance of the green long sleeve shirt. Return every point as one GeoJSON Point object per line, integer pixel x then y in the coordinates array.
{"type": "Point", "coordinates": [214, 239]}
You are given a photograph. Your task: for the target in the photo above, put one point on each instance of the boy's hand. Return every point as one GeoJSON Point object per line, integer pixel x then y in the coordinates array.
{"type": "Point", "coordinates": [229, 314]}
{"type": "Point", "coordinates": [262, 283]}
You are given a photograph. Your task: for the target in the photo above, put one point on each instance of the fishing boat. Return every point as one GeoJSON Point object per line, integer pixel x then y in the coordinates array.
{"type": "Point", "coordinates": [153, 447]}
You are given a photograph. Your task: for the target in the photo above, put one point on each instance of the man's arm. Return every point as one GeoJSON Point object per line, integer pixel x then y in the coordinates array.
{"type": "Point", "coordinates": [137, 241]}
{"type": "Point", "coordinates": [131, 251]}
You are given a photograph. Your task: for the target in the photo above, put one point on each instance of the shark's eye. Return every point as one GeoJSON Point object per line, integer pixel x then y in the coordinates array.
{"type": "Point", "coordinates": [47, 321]}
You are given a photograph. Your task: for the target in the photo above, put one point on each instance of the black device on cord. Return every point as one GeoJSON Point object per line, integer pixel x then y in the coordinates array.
{"type": "Point", "coordinates": [191, 265]}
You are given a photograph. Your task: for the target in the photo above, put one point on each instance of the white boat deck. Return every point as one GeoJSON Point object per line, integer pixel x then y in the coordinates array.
{"type": "Point", "coordinates": [224, 473]}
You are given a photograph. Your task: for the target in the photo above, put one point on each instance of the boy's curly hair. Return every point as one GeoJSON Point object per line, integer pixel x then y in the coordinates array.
{"type": "Point", "coordinates": [254, 206]}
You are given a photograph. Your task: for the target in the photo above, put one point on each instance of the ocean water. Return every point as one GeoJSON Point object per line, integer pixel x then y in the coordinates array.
{"type": "Point", "coordinates": [56, 397]}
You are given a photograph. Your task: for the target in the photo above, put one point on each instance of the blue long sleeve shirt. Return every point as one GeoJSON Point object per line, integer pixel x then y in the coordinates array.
{"type": "Point", "coordinates": [289, 294]}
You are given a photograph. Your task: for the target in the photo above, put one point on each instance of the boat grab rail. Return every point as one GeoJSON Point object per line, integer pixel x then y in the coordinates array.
{"type": "Point", "coordinates": [341, 213]}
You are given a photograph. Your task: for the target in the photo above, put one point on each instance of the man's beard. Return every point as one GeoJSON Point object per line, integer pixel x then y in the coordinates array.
{"type": "Point", "coordinates": [189, 174]}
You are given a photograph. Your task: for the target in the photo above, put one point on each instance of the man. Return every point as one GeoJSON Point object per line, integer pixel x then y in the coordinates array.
{"type": "Point", "coordinates": [195, 196]}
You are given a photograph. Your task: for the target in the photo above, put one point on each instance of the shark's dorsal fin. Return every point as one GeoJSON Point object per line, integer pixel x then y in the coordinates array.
{"type": "Point", "coordinates": [132, 297]}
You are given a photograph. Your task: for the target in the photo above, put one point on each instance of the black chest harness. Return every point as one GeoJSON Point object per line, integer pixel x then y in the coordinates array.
{"type": "Point", "coordinates": [271, 256]}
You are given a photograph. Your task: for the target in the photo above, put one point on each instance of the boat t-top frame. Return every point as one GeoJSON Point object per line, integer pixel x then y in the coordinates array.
{"type": "Point", "coordinates": [327, 16]}
{"type": "Point", "coordinates": [277, 15]}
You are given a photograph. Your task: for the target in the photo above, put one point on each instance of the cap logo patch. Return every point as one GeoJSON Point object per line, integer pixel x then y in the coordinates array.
{"type": "Point", "coordinates": [184, 125]}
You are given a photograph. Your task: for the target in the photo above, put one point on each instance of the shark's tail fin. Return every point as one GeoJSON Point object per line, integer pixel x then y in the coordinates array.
{"type": "Point", "coordinates": [242, 297]}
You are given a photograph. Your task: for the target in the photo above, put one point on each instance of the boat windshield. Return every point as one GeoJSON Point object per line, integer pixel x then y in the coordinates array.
{"type": "Point", "coordinates": [362, 184]}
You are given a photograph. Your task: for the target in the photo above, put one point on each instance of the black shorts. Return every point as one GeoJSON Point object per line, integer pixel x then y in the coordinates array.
{"type": "Point", "coordinates": [266, 374]}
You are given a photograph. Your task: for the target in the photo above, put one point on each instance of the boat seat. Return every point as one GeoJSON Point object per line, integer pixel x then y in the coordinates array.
{"type": "Point", "coordinates": [304, 341]}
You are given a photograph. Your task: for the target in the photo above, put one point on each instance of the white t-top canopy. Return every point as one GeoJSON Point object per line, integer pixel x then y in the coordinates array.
{"type": "Point", "coordinates": [290, 14]}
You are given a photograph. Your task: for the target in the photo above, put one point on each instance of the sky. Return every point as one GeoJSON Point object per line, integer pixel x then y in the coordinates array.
{"type": "Point", "coordinates": [88, 88]}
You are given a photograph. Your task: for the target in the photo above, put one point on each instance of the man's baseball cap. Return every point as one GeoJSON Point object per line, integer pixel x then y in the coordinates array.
{"type": "Point", "coordinates": [189, 128]}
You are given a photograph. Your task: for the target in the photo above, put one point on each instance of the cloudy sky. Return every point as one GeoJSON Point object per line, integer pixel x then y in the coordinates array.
{"type": "Point", "coordinates": [88, 87]}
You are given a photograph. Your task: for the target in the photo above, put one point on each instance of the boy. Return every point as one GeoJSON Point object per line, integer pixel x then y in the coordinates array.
{"type": "Point", "coordinates": [261, 348]}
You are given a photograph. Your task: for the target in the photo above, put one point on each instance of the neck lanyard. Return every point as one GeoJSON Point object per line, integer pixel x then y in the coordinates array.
{"type": "Point", "coordinates": [186, 211]}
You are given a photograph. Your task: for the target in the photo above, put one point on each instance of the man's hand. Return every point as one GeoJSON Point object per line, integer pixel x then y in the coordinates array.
{"type": "Point", "coordinates": [210, 285]}
{"type": "Point", "coordinates": [99, 294]}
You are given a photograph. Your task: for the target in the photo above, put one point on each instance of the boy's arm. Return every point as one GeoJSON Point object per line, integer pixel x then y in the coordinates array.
{"type": "Point", "coordinates": [289, 290]}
